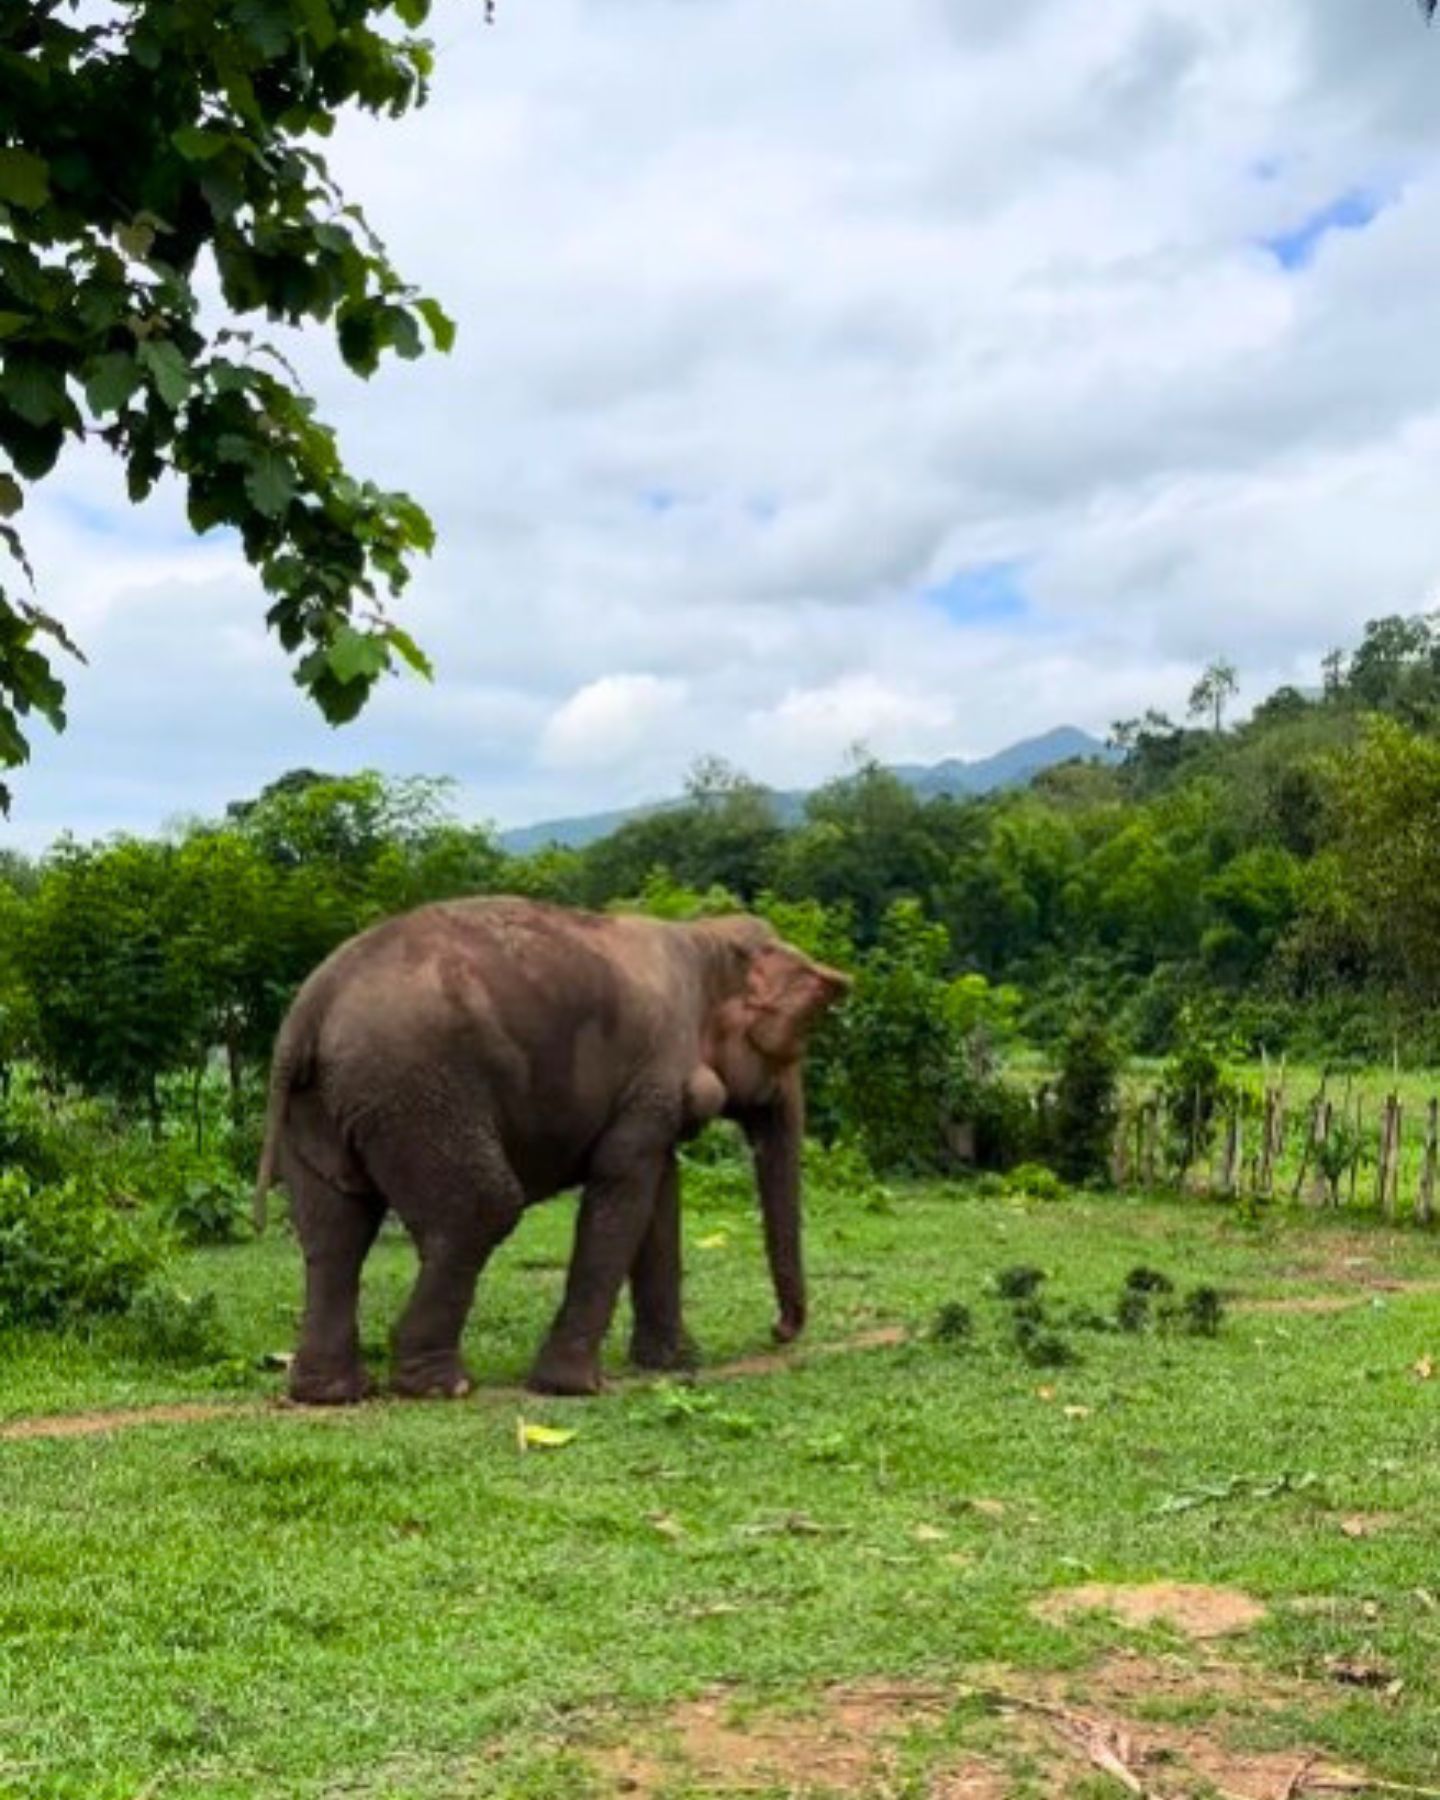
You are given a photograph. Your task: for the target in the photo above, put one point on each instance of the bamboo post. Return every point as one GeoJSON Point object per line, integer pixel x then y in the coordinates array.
{"type": "Point", "coordinates": [1387, 1173]}
{"type": "Point", "coordinates": [1151, 1158]}
{"type": "Point", "coordinates": [1230, 1166]}
{"type": "Point", "coordinates": [1425, 1199]}
{"type": "Point", "coordinates": [1262, 1165]}
{"type": "Point", "coordinates": [1307, 1147]}
{"type": "Point", "coordinates": [1359, 1141]}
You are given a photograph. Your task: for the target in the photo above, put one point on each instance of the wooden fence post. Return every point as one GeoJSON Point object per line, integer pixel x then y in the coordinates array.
{"type": "Point", "coordinates": [1387, 1175]}
{"type": "Point", "coordinates": [1230, 1162]}
{"type": "Point", "coordinates": [1425, 1199]}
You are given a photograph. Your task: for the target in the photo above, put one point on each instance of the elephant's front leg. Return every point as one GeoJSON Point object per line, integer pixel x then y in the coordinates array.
{"type": "Point", "coordinates": [616, 1210]}
{"type": "Point", "coordinates": [658, 1339]}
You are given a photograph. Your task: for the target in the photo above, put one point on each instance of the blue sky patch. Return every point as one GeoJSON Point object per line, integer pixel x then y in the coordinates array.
{"type": "Point", "coordinates": [984, 594]}
{"type": "Point", "coordinates": [1353, 211]}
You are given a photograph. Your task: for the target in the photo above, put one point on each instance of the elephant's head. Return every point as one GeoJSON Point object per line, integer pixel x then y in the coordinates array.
{"type": "Point", "coordinates": [764, 997]}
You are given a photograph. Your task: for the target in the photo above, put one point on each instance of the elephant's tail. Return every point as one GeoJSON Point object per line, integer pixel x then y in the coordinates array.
{"type": "Point", "coordinates": [290, 1064]}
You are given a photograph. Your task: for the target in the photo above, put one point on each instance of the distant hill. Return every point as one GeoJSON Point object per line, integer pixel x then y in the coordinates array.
{"type": "Point", "coordinates": [1011, 767]}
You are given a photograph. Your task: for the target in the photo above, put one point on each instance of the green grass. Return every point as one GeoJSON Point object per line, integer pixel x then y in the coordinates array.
{"type": "Point", "coordinates": [395, 1602]}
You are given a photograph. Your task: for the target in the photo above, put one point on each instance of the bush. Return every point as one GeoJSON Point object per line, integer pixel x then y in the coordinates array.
{"type": "Point", "coordinates": [1194, 1088]}
{"type": "Point", "coordinates": [28, 1139]}
{"type": "Point", "coordinates": [207, 1211]}
{"type": "Point", "coordinates": [172, 1327]}
{"type": "Point", "coordinates": [66, 1253]}
{"type": "Point", "coordinates": [195, 1193]}
{"type": "Point", "coordinates": [1082, 1117]}
{"type": "Point", "coordinates": [1003, 1116]}
{"type": "Point", "coordinates": [1035, 1182]}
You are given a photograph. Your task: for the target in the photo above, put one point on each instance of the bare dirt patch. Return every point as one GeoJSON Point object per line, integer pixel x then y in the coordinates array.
{"type": "Point", "coordinates": [1158, 1727]}
{"type": "Point", "coordinates": [1192, 1609]}
{"type": "Point", "coordinates": [847, 1742]}
{"type": "Point", "coordinates": [883, 1337]}
{"type": "Point", "coordinates": [101, 1424]}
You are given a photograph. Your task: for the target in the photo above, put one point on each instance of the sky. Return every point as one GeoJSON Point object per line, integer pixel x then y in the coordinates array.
{"type": "Point", "coordinates": [921, 375]}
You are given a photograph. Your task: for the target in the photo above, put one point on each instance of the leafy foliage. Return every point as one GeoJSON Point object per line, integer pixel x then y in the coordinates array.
{"type": "Point", "coordinates": [1081, 1120]}
{"type": "Point", "coordinates": [66, 1252]}
{"type": "Point", "coordinates": [140, 146]}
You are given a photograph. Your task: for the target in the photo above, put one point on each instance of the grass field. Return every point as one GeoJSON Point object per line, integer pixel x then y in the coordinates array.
{"type": "Point", "coordinates": [820, 1573]}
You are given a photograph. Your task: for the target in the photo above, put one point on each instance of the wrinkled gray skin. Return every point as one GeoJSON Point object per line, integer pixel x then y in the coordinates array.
{"type": "Point", "coordinates": [466, 1060]}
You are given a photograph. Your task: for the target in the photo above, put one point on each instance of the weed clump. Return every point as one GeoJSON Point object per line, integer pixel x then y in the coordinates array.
{"type": "Point", "coordinates": [954, 1324]}
{"type": "Point", "coordinates": [1022, 1282]}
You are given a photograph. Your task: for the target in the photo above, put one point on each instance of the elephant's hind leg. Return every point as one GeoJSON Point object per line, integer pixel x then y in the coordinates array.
{"type": "Point", "coordinates": [336, 1229]}
{"type": "Point", "coordinates": [459, 1203]}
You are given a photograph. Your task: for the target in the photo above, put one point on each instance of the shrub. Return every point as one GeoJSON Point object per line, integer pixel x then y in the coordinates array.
{"type": "Point", "coordinates": [954, 1323]}
{"type": "Point", "coordinates": [208, 1212]}
{"type": "Point", "coordinates": [1194, 1088]}
{"type": "Point", "coordinates": [66, 1253]}
{"type": "Point", "coordinates": [1035, 1182]}
{"type": "Point", "coordinates": [28, 1139]}
{"type": "Point", "coordinates": [172, 1327]}
{"type": "Point", "coordinates": [1003, 1116]}
{"type": "Point", "coordinates": [1081, 1121]}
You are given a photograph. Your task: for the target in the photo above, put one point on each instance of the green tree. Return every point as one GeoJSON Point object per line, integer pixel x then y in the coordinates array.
{"type": "Point", "coordinates": [121, 1006]}
{"type": "Point", "coordinates": [142, 145]}
{"type": "Point", "coordinates": [1210, 695]}
{"type": "Point", "coordinates": [1386, 812]}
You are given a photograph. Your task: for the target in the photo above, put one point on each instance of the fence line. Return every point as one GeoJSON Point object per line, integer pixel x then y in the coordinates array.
{"type": "Point", "coordinates": [1259, 1148]}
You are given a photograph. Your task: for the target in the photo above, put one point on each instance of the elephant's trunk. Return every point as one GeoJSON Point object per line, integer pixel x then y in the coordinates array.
{"type": "Point", "coordinates": [775, 1137]}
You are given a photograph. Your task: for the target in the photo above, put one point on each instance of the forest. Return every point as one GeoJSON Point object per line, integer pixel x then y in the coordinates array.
{"type": "Point", "coordinates": [1219, 894]}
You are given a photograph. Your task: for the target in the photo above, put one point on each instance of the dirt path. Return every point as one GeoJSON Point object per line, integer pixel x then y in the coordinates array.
{"type": "Point", "coordinates": [199, 1412]}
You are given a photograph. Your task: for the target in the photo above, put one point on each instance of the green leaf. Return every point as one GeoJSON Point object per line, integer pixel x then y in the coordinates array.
{"type": "Point", "coordinates": [197, 144]}
{"type": "Point", "coordinates": [168, 370]}
{"type": "Point", "coordinates": [271, 486]}
{"type": "Point", "coordinates": [318, 21]}
{"type": "Point", "coordinates": [409, 652]}
{"type": "Point", "coordinates": [35, 391]}
{"type": "Point", "coordinates": [11, 322]}
{"type": "Point", "coordinates": [136, 240]}
{"type": "Point", "coordinates": [265, 24]}
{"type": "Point", "coordinates": [356, 655]}
{"type": "Point", "coordinates": [12, 496]}
{"type": "Point", "coordinates": [112, 379]}
{"type": "Point", "coordinates": [442, 326]}
{"type": "Point", "coordinates": [24, 179]}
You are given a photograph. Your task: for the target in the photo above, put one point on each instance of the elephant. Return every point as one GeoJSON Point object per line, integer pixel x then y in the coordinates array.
{"type": "Point", "coordinates": [461, 1062]}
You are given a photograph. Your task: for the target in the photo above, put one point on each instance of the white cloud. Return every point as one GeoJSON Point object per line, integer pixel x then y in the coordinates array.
{"type": "Point", "coordinates": [609, 719]}
{"type": "Point", "coordinates": [771, 317]}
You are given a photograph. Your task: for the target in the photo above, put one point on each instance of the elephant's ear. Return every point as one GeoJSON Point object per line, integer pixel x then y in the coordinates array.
{"type": "Point", "coordinates": [785, 993]}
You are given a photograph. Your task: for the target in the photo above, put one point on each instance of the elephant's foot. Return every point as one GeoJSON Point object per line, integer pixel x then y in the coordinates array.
{"type": "Point", "coordinates": [564, 1370]}
{"type": "Point", "coordinates": [431, 1378]}
{"type": "Point", "coordinates": [328, 1384]}
{"type": "Point", "coordinates": [674, 1351]}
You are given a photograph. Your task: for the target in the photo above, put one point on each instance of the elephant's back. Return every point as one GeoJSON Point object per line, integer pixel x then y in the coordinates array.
{"type": "Point", "coordinates": [540, 1015]}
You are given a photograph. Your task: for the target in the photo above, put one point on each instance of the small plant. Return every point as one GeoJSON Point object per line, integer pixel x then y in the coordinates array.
{"type": "Point", "coordinates": [172, 1327]}
{"type": "Point", "coordinates": [208, 1212]}
{"type": "Point", "coordinates": [954, 1324]}
{"type": "Point", "coordinates": [1043, 1348]}
{"type": "Point", "coordinates": [1148, 1281]}
{"type": "Point", "coordinates": [1019, 1283]}
{"type": "Point", "coordinates": [1034, 1182]}
{"type": "Point", "coordinates": [1203, 1311]}
{"type": "Point", "coordinates": [1132, 1313]}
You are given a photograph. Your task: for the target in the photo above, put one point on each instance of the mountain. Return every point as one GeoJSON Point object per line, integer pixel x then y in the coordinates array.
{"type": "Point", "coordinates": [1011, 767]}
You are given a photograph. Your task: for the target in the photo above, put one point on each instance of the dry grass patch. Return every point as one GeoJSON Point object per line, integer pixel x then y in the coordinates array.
{"type": "Point", "coordinates": [1190, 1608]}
